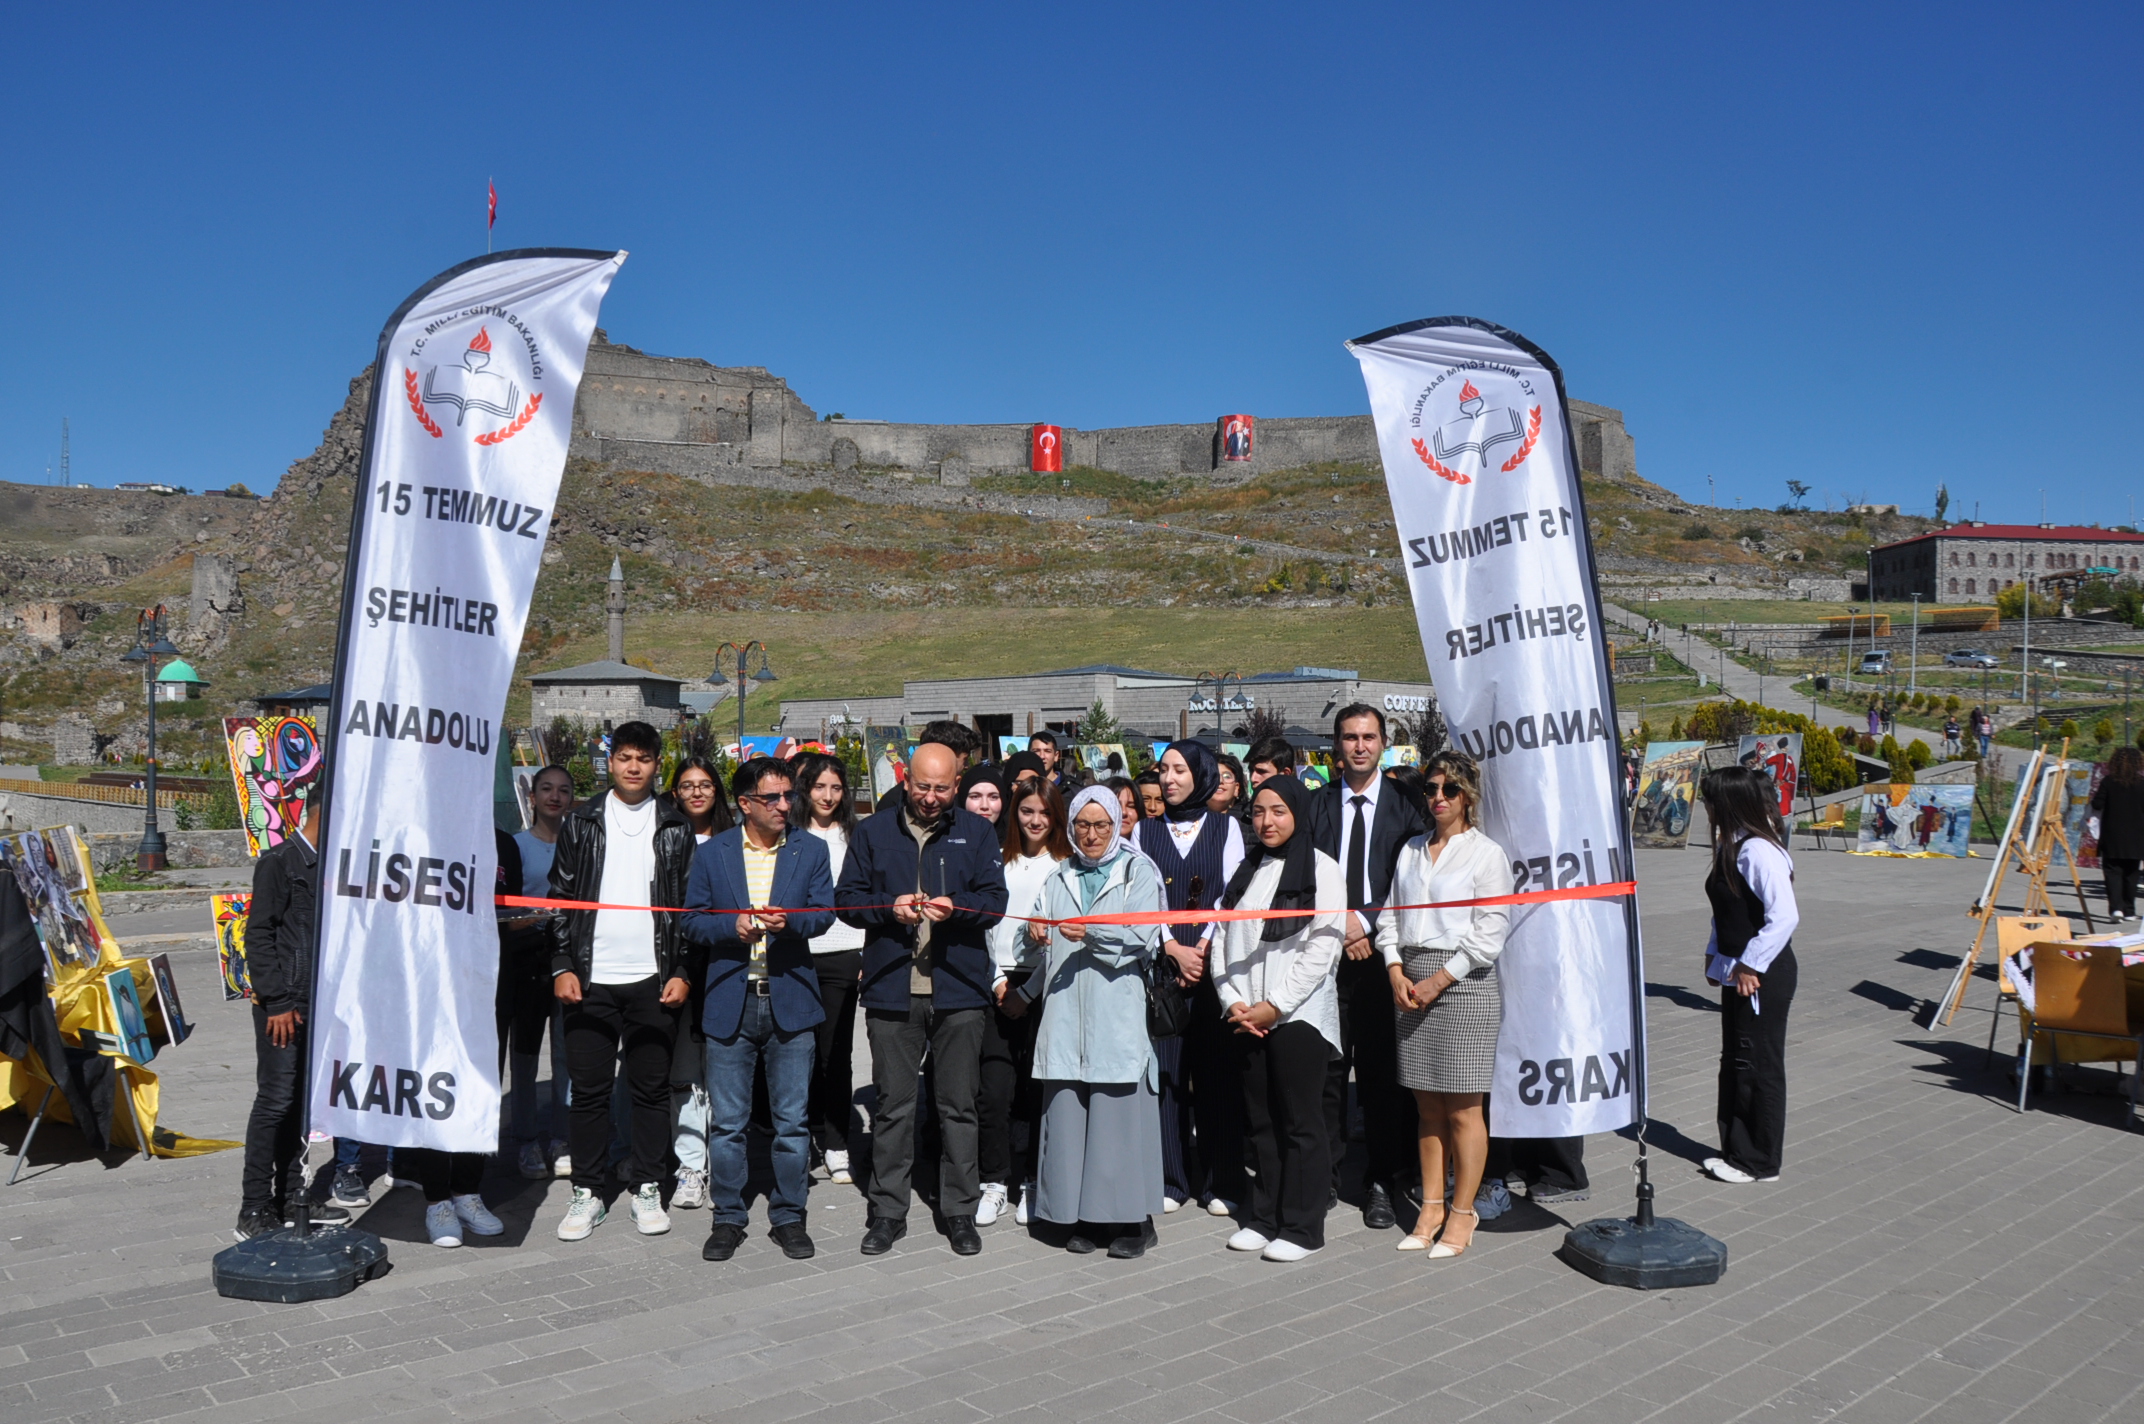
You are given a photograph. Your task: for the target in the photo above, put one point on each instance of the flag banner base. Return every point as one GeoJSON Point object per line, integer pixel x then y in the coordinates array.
{"type": "Point", "coordinates": [295, 1264]}
{"type": "Point", "coordinates": [1645, 1255]}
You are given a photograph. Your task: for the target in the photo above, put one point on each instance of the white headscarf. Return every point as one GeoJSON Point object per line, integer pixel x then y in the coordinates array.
{"type": "Point", "coordinates": [1102, 796]}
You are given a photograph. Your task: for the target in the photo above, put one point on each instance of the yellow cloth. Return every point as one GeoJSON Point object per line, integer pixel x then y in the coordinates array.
{"type": "Point", "coordinates": [759, 884]}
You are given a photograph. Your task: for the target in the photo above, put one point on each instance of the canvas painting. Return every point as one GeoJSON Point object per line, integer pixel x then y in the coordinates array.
{"type": "Point", "coordinates": [1400, 756]}
{"type": "Point", "coordinates": [1104, 759]}
{"type": "Point", "coordinates": [1905, 819]}
{"type": "Point", "coordinates": [1779, 756]}
{"type": "Point", "coordinates": [229, 913]}
{"type": "Point", "coordinates": [171, 1018]}
{"type": "Point", "coordinates": [275, 763]}
{"type": "Point", "coordinates": [62, 915]}
{"type": "Point", "coordinates": [2077, 795]}
{"type": "Point", "coordinates": [1667, 790]}
{"type": "Point", "coordinates": [133, 1025]}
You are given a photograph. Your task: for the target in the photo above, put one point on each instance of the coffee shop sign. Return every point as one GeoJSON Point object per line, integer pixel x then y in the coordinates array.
{"type": "Point", "coordinates": [1399, 702]}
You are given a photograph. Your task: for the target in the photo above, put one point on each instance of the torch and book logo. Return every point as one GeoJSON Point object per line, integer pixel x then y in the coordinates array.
{"type": "Point", "coordinates": [480, 383]}
{"type": "Point", "coordinates": [1466, 445]}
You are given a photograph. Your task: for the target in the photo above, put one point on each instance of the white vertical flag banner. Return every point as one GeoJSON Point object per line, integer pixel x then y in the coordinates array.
{"type": "Point", "coordinates": [472, 407]}
{"type": "Point", "coordinates": [1476, 444]}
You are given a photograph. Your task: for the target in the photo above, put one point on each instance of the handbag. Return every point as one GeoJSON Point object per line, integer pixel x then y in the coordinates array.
{"type": "Point", "coordinates": [1168, 1007]}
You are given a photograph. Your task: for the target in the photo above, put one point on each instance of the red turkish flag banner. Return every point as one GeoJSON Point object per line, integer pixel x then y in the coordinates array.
{"type": "Point", "coordinates": [491, 217]}
{"type": "Point", "coordinates": [1046, 449]}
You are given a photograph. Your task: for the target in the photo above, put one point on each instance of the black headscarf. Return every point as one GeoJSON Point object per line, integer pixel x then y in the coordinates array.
{"type": "Point", "coordinates": [975, 776]}
{"type": "Point", "coordinates": [1205, 776]}
{"type": "Point", "coordinates": [1021, 764]}
{"type": "Point", "coordinates": [1298, 888]}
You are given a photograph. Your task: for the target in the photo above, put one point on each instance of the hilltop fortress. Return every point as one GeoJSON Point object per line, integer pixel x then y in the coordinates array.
{"type": "Point", "coordinates": [738, 424]}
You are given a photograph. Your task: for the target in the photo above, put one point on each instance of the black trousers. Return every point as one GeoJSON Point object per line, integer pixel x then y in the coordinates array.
{"type": "Point", "coordinates": [611, 1017]}
{"type": "Point", "coordinates": [1007, 1101]}
{"type": "Point", "coordinates": [442, 1174]}
{"type": "Point", "coordinates": [955, 1040]}
{"type": "Point", "coordinates": [833, 1084]}
{"type": "Point", "coordinates": [1213, 1061]}
{"type": "Point", "coordinates": [1369, 1039]}
{"type": "Point", "coordinates": [270, 1177]}
{"type": "Point", "coordinates": [2121, 878]}
{"type": "Point", "coordinates": [1753, 1070]}
{"type": "Point", "coordinates": [1284, 1080]}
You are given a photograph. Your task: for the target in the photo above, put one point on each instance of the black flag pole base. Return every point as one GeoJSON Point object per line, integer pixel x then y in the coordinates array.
{"type": "Point", "coordinates": [299, 1263]}
{"type": "Point", "coordinates": [1643, 1252]}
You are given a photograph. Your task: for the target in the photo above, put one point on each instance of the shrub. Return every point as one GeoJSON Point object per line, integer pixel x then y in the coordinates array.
{"type": "Point", "coordinates": [1644, 735]}
{"type": "Point", "coordinates": [1952, 704]}
{"type": "Point", "coordinates": [2068, 728]}
{"type": "Point", "coordinates": [2010, 603]}
{"type": "Point", "coordinates": [1698, 530]}
{"type": "Point", "coordinates": [1918, 755]}
{"type": "Point", "coordinates": [2103, 730]}
{"type": "Point", "coordinates": [1677, 734]}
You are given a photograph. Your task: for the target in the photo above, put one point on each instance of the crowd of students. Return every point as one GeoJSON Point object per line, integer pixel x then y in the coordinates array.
{"type": "Point", "coordinates": [1083, 1074]}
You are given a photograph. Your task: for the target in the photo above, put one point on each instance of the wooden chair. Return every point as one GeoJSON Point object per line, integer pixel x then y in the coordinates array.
{"type": "Point", "coordinates": [2080, 990]}
{"type": "Point", "coordinates": [2013, 933]}
{"type": "Point", "coordinates": [1828, 820]}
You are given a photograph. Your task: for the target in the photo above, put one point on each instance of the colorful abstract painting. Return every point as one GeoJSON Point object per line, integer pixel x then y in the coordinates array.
{"type": "Point", "coordinates": [230, 913]}
{"type": "Point", "coordinates": [275, 763]}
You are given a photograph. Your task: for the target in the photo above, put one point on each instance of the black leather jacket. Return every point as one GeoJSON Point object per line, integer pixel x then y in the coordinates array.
{"type": "Point", "coordinates": [577, 874]}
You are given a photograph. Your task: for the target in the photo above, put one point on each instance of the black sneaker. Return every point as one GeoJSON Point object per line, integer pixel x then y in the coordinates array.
{"type": "Point", "coordinates": [1079, 1243]}
{"type": "Point", "coordinates": [794, 1240]}
{"type": "Point", "coordinates": [255, 1223]}
{"type": "Point", "coordinates": [323, 1214]}
{"type": "Point", "coordinates": [1132, 1244]}
{"type": "Point", "coordinates": [722, 1242]}
{"type": "Point", "coordinates": [1544, 1195]}
{"type": "Point", "coordinates": [961, 1233]}
{"type": "Point", "coordinates": [880, 1232]}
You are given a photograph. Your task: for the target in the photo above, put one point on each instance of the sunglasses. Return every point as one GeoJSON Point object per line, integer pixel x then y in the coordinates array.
{"type": "Point", "coordinates": [1441, 790]}
{"type": "Point", "coordinates": [772, 798]}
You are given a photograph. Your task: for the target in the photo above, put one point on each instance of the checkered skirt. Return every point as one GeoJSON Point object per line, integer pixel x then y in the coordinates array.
{"type": "Point", "coordinates": [1450, 1047]}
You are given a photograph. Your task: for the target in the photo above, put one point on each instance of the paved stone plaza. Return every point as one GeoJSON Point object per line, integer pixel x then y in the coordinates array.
{"type": "Point", "coordinates": [1929, 1254]}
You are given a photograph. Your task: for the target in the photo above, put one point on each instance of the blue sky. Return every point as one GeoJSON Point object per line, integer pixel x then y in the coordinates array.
{"type": "Point", "coordinates": [1874, 248]}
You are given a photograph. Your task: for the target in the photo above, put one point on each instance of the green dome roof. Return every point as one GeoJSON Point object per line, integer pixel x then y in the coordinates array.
{"type": "Point", "coordinates": [179, 670]}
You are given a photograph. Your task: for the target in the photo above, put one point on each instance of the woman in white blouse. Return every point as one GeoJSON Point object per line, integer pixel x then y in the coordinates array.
{"type": "Point", "coordinates": [1274, 979]}
{"type": "Point", "coordinates": [824, 808]}
{"type": "Point", "coordinates": [1444, 989]}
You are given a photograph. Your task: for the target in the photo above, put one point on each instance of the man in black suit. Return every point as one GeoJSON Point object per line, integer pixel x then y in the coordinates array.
{"type": "Point", "coordinates": [1362, 821]}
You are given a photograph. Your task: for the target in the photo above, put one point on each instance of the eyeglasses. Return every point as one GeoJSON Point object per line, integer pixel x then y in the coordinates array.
{"type": "Point", "coordinates": [772, 798]}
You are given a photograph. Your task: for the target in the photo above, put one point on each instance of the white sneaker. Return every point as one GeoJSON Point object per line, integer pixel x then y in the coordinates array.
{"type": "Point", "coordinates": [469, 1209]}
{"type": "Point", "coordinates": [691, 1189]}
{"type": "Point", "coordinates": [561, 1159]}
{"type": "Point", "coordinates": [648, 1214]}
{"type": "Point", "coordinates": [1170, 1204]}
{"type": "Point", "coordinates": [1286, 1251]}
{"type": "Point", "coordinates": [1023, 1213]}
{"type": "Point", "coordinates": [531, 1162]}
{"type": "Point", "coordinates": [442, 1225]}
{"type": "Point", "coordinates": [583, 1215]}
{"type": "Point", "coordinates": [992, 1204]}
{"type": "Point", "coordinates": [1248, 1240]}
{"type": "Point", "coordinates": [1722, 1170]}
{"type": "Point", "coordinates": [1217, 1206]}
{"type": "Point", "coordinates": [837, 1168]}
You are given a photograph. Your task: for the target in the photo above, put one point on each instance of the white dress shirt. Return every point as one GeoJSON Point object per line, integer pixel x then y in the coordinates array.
{"type": "Point", "coordinates": [1770, 872]}
{"type": "Point", "coordinates": [1295, 974]}
{"type": "Point", "coordinates": [1470, 867]}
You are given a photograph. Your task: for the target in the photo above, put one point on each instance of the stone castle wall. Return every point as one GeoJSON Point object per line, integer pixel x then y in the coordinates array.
{"type": "Point", "coordinates": [685, 416]}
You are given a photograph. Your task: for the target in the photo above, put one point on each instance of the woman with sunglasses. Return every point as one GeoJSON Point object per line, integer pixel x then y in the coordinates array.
{"type": "Point", "coordinates": [824, 808]}
{"type": "Point", "coordinates": [1442, 964]}
{"type": "Point", "coordinates": [1035, 843]}
{"type": "Point", "coordinates": [1098, 1162]}
{"type": "Point", "coordinates": [696, 793]}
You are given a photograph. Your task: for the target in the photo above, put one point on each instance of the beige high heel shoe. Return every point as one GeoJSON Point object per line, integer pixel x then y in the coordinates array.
{"type": "Point", "coordinates": [1444, 1249]}
{"type": "Point", "coordinates": [1418, 1239]}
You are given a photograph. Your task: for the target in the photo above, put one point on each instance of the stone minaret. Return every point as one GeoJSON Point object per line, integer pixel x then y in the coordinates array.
{"type": "Point", "coordinates": [615, 603]}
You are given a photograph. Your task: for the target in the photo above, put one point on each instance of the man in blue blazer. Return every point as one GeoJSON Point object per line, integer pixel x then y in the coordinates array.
{"type": "Point", "coordinates": [762, 998]}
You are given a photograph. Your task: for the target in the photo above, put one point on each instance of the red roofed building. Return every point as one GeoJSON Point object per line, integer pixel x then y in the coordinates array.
{"type": "Point", "coordinates": [1973, 561]}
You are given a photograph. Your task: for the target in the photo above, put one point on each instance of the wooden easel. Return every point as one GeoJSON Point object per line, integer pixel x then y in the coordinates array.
{"type": "Point", "coordinates": [2034, 834]}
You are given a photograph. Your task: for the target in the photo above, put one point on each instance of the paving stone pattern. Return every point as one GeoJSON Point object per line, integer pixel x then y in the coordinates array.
{"type": "Point", "coordinates": [1929, 1255]}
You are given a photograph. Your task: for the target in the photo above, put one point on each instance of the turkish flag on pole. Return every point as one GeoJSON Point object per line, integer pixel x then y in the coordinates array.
{"type": "Point", "coordinates": [491, 218]}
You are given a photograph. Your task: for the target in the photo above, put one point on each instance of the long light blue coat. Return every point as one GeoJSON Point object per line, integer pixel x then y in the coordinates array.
{"type": "Point", "coordinates": [1093, 998]}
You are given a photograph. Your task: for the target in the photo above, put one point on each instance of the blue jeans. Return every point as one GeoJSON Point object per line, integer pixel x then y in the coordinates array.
{"type": "Point", "coordinates": [791, 1059]}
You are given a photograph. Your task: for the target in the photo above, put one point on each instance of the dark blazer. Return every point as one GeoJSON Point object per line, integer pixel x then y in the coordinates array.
{"type": "Point", "coordinates": [279, 927]}
{"type": "Point", "coordinates": [803, 885]}
{"type": "Point", "coordinates": [1397, 822]}
{"type": "Point", "coordinates": [962, 858]}
{"type": "Point", "coordinates": [2121, 819]}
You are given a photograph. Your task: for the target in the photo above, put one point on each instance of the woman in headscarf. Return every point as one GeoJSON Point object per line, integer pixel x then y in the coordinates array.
{"type": "Point", "coordinates": [1034, 844]}
{"type": "Point", "coordinates": [1275, 978]}
{"type": "Point", "coordinates": [1098, 1162]}
{"type": "Point", "coordinates": [983, 793]}
{"type": "Point", "coordinates": [1197, 850]}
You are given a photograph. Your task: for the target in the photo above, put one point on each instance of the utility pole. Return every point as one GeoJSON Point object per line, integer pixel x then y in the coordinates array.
{"type": "Point", "coordinates": [66, 463]}
{"type": "Point", "coordinates": [1913, 673]}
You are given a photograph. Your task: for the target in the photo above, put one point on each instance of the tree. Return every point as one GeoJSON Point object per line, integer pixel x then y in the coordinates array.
{"type": "Point", "coordinates": [1097, 726]}
{"type": "Point", "coordinates": [1800, 490]}
{"type": "Point", "coordinates": [2010, 603]}
{"type": "Point", "coordinates": [1942, 502]}
{"type": "Point", "coordinates": [238, 491]}
{"type": "Point", "coordinates": [2103, 730]}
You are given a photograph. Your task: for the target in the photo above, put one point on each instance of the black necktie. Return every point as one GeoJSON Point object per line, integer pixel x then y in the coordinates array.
{"type": "Point", "coordinates": [1355, 844]}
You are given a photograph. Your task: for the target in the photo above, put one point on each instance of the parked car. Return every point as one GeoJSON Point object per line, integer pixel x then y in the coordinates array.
{"type": "Point", "coordinates": [1970, 658]}
{"type": "Point", "coordinates": [1877, 662]}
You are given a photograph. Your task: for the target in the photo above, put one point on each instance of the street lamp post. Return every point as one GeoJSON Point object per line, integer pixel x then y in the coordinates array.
{"type": "Point", "coordinates": [1220, 681]}
{"type": "Point", "coordinates": [1913, 673]}
{"type": "Point", "coordinates": [743, 655]}
{"type": "Point", "coordinates": [150, 644]}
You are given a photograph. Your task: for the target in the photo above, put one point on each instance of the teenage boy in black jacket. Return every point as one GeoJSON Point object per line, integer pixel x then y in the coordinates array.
{"type": "Point", "coordinates": [279, 958]}
{"type": "Point", "coordinates": [927, 976]}
{"type": "Point", "coordinates": [622, 974]}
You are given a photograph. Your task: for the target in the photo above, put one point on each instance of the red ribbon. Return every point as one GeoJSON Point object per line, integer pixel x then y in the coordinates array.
{"type": "Point", "coordinates": [1614, 890]}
